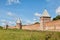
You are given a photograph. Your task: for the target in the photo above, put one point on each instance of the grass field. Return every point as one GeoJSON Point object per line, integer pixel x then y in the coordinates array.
{"type": "Point", "coordinates": [28, 35]}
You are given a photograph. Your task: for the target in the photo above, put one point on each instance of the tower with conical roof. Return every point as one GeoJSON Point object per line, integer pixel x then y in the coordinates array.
{"type": "Point", "coordinates": [45, 17]}
{"type": "Point", "coordinates": [18, 24]}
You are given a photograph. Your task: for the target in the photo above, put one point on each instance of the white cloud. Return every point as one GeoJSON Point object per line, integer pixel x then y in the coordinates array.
{"type": "Point", "coordinates": [3, 24]}
{"type": "Point", "coordinates": [13, 15]}
{"type": "Point", "coordinates": [34, 19]}
{"type": "Point", "coordinates": [28, 22]}
{"type": "Point", "coordinates": [3, 20]}
{"type": "Point", "coordinates": [37, 14]}
{"type": "Point", "coordinates": [11, 23]}
{"type": "Point", "coordinates": [10, 13]}
{"type": "Point", "coordinates": [58, 10]}
{"type": "Point", "coordinates": [9, 2]}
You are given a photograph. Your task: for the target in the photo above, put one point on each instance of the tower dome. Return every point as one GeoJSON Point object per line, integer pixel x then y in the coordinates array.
{"type": "Point", "coordinates": [18, 20]}
{"type": "Point", "coordinates": [45, 14]}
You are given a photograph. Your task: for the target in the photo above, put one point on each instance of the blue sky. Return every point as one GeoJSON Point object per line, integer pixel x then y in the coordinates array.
{"type": "Point", "coordinates": [27, 10]}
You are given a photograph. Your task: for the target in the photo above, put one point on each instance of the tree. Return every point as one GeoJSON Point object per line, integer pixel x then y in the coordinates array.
{"type": "Point", "coordinates": [57, 17]}
{"type": "Point", "coordinates": [1, 27]}
{"type": "Point", "coordinates": [36, 23]}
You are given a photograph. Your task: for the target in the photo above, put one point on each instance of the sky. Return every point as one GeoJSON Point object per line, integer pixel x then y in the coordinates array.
{"type": "Point", "coordinates": [29, 11]}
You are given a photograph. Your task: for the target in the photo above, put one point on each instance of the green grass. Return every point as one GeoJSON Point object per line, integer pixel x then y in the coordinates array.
{"type": "Point", "coordinates": [28, 35]}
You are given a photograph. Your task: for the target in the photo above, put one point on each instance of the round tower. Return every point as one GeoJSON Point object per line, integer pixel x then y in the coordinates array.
{"type": "Point", "coordinates": [45, 17]}
{"type": "Point", "coordinates": [18, 24]}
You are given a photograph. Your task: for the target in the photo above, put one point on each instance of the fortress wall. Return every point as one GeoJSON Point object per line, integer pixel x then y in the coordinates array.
{"type": "Point", "coordinates": [32, 27]}
{"type": "Point", "coordinates": [53, 25]}
{"type": "Point", "coordinates": [12, 27]}
{"type": "Point", "coordinates": [27, 27]}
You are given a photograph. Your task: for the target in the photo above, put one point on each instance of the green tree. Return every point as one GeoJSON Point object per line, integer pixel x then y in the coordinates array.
{"type": "Point", "coordinates": [1, 27]}
{"type": "Point", "coordinates": [36, 23]}
{"type": "Point", "coordinates": [57, 17]}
